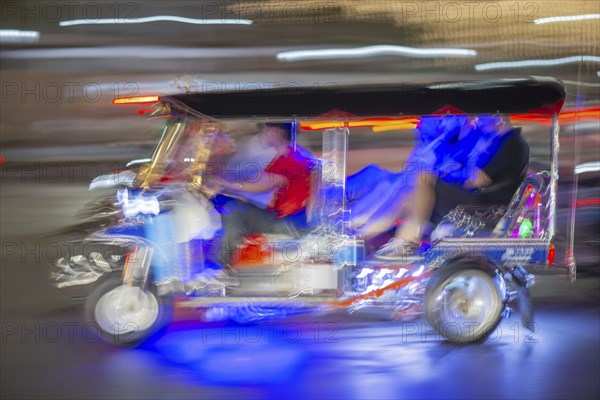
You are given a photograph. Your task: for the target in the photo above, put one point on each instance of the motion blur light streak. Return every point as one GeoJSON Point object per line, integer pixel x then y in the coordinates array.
{"type": "Point", "coordinates": [145, 52]}
{"type": "Point", "coordinates": [587, 167]}
{"type": "Point", "coordinates": [364, 272]}
{"type": "Point", "coordinates": [528, 43]}
{"type": "Point", "coordinates": [410, 122]}
{"type": "Point", "coordinates": [140, 204]}
{"type": "Point", "coordinates": [374, 51]}
{"type": "Point", "coordinates": [568, 82]}
{"type": "Point", "coordinates": [566, 117]}
{"type": "Point", "coordinates": [419, 271]}
{"type": "Point", "coordinates": [157, 18]}
{"type": "Point", "coordinates": [18, 36]}
{"type": "Point", "coordinates": [136, 100]}
{"type": "Point", "coordinates": [536, 63]}
{"type": "Point", "coordinates": [378, 124]}
{"type": "Point", "coordinates": [587, 202]}
{"type": "Point", "coordinates": [566, 18]}
{"type": "Point", "coordinates": [138, 161]}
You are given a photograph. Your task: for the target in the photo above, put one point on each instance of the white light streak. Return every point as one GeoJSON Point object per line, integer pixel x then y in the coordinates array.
{"type": "Point", "coordinates": [383, 272]}
{"type": "Point", "coordinates": [364, 272]}
{"type": "Point", "coordinates": [138, 161]}
{"type": "Point", "coordinates": [536, 63]}
{"type": "Point", "coordinates": [566, 18]}
{"type": "Point", "coordinates": [593, 166]}
{"type": "Point", "coordinates": [18, 36]}
{"type": "Point", "coordinates": [138, 204]}
{"type": "Point", "coordinates": [401, 272]}
{"type": "Point", "coordinates": [140, 52]}
{"type": "Point", "coordinates": [419, 271]}
{"type": "Point", "coordinates": [157, 18]}
{"type": "Point", "coordinates": [374, 51]}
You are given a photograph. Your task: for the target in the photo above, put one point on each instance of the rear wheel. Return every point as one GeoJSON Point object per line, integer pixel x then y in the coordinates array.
{"type": "Point", "coordinates": [126, 315]}
{"type": "Point", "coordinates": [464, 302]}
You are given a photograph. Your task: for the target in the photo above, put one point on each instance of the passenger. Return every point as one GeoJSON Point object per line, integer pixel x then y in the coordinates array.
{"type": "Point", "coordinates": [490, 174]}
{"type": "Point", "coordinates": [288, 174]}
{"type": "Point", "coordinates": [379, 209]}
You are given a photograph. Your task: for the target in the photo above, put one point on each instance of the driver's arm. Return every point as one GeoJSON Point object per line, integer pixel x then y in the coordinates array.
{"type": "Point", "coordinates": [266, 181]}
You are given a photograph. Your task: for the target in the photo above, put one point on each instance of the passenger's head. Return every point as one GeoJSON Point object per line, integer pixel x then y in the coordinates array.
{"type": "Point", "coordinates": [452, 124]}
{"type": "Point", "coordinates": [277, 134]}
{"type": "Point", "coordinates": [450, 120]}
{"type": "Point", "coordinates": [488, 124]}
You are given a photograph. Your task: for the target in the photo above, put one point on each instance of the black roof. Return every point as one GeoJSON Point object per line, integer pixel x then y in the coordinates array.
{"type": "Point", "coordinates": [530, 95]}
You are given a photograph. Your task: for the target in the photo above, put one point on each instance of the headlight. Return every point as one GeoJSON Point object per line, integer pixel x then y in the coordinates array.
{"type": "Point", "coordinates": [124, 178]}
{"type": "Point", "coordinates": [134, 204]}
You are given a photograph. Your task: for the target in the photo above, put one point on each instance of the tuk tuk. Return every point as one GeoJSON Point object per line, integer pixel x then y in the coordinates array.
{"type": "Point", "coordinates": [463, 283]}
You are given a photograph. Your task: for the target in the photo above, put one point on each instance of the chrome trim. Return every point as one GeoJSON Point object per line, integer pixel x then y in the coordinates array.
{"type": "Point", "coordinates": [553, 177]}
{"type": "Point", "coordinates": [296, 301]}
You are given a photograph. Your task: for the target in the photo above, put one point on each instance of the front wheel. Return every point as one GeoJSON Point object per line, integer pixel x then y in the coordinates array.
{"type": "Point", "coordinates": [126, 315]}
{"type": "Point", "coordinates": [464, 302]}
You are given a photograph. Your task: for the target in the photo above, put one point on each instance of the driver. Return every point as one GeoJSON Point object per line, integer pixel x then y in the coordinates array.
{"type": "Point", "coordinates": [288, 175]}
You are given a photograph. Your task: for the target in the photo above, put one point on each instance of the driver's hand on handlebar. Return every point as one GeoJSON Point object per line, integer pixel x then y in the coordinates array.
{"type": "Point", "coordinates": [212, 187]}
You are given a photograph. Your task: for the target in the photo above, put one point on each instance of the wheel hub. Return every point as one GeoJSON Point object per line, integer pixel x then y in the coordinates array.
{"type": "Point", "coordinates": [126, 309]}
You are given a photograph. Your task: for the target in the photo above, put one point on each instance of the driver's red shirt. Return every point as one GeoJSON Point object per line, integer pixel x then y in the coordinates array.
{"type": "Point", "coordinates": [292, 196]}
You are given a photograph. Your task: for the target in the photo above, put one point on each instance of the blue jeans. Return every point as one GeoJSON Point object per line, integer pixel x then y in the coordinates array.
{"type": "Point", "coordinates": [241, 219]}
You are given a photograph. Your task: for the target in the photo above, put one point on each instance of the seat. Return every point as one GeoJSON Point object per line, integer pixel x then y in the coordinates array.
{"type": "Point", "coordinates": [497, 220]}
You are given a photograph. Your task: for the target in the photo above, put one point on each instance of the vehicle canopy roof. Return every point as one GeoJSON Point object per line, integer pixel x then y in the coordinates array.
{"type": "Point", "coordinates": [534, 95]}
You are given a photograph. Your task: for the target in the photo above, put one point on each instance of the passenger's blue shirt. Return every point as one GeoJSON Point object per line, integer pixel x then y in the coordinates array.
{"type": "Point", "coordinates": [457, 151]}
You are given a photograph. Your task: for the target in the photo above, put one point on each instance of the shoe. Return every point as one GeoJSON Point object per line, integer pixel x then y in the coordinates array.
{"type": "Point", "coordinates": [397, 249]}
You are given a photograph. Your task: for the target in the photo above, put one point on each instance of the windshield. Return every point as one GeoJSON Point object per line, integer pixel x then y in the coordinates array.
{"type": "Point", "coordinates": [183, 150]}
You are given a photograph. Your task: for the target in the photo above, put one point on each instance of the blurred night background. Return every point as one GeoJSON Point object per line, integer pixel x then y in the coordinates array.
{"type": "Point", "coordinates": [63, 62]}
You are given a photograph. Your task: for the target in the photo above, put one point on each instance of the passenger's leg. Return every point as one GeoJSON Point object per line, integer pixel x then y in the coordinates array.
{"type": "Point", "coordinates": [363, 209]}
{"type": "Point", "coordinates": [364, 181]}
{"type": "Point", "coordinates": [385, 217]}
{"type": "Point", "coordinates": [422, 206]}
{"type": "Point", "coordinates": [408, 237]}
{"type": "Point", "coordinates": [382, 206]}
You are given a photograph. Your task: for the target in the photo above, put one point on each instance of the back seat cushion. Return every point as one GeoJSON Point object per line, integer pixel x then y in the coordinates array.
{"type": "Point", "coordinates": [468, 220]}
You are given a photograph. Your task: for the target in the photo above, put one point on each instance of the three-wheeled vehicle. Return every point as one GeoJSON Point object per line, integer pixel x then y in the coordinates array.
{"type": "Point", "coordinates": [463, 283]}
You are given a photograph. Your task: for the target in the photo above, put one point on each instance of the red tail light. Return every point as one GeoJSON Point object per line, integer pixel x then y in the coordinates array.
{"type": "Point", "coordinates": [551, 254]}
{"type": "Point", "coordinates": [587, 202]}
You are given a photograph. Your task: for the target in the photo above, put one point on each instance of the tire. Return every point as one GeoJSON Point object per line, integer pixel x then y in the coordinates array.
{"type": "Point", "coordinates": [450, 308]}
{"type": "Point", "coordinates": [125, 315]}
